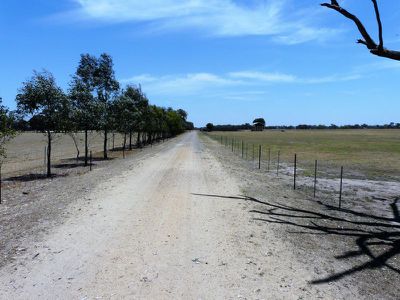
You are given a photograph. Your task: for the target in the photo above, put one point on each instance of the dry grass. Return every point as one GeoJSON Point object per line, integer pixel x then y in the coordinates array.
{"type": "Point", "coordinates": [367, 154]}
{"type": "Point", "coordinates": [26, 151]}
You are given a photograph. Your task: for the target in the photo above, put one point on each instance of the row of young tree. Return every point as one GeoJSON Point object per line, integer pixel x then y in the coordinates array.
{"type": "Point", "coordinates": [94, 101]}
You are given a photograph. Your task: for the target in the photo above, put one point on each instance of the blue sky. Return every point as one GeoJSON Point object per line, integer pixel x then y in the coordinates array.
{"type": "Point", "coordinates": [223, 61]}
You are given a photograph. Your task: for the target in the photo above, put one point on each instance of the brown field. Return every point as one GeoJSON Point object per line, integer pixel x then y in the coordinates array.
{"type": "Point", "coordinates": [26, 151]}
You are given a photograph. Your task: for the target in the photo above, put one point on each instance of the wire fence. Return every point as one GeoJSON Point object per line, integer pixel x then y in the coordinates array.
{"type": "Point", "coordinates": [270, 158]}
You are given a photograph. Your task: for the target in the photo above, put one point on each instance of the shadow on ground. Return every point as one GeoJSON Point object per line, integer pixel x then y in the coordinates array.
{"type": "Point", "coordinates": [33, 176]}
{"type": "Point", "coordinates": [375, 239]}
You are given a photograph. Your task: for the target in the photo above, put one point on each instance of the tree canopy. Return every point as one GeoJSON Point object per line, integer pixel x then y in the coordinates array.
{"type": "Point", "coordinates": [259, 121]}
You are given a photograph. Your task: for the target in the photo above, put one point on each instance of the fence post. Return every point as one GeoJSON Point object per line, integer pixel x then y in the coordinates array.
{"type": "Point", "coordinates": [295, 171]}
{"type": "Point", "coordinates": [259, 157]}
{"type": "Point", "coordinates": [45, 157]}
{"type": "Point", "coordinates": [113, 141]}
{"type": "Point", "coordinates": [269, 158]}
{"type": "Point", "coordinates": [0, 185]}
{"type": "Point", "coordinates": [91, 159]}
{"type": "Point", "coordinates": [341, 187]}
{"type": "Point", "coordinates": [242, 150]}
{"type": "Point", "coordinates": [232, 144]}
{"type": "Point", "coordinates": [315, 176]}
{"type": "Point", "coordinates": [277, 168]}
{"type": "Point", "coordinates": [253, 155]}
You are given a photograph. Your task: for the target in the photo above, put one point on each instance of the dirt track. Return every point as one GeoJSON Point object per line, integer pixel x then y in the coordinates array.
{"type": "Point", "coordinates": [163, 229]}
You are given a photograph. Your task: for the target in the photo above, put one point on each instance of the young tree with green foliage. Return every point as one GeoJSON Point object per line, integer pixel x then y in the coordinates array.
{"type": "Point", "coordinates": [41, 98]}
{"type": "Point", "coordinates": [106, 87]}
{"type": "Point", "coordinates": [140, 104]}
{"type": "Point", "coordinates": [7, 132]}
{"type": "Point", "coordinates": [81, 93]}
{"type": "Point", "coordinates": [124, 114]}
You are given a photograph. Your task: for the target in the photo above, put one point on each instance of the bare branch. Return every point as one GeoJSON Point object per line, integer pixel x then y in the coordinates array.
{"type": "Point", "coordinates": [378, 19]}
{"type": "Point", "coordinates": [361, 41]}
{"type": "Point", "coordinates": [367, 40]}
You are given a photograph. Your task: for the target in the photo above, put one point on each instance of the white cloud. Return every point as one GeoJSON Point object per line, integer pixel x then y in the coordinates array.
{"type": "Point", "coordinates": [181, 84]}
{"type": "Point", "coordinates": [194, 83]}
{"type": "Point", "coordinates": [262, 76]}
{"type": "Point", "coordinates": [276, 18]}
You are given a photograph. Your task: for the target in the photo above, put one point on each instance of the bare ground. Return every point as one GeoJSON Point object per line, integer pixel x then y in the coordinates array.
{"type": "Point", "coordinates": [181, 220]}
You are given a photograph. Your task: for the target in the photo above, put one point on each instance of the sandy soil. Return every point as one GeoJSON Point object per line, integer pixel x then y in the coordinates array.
{"type": "Point", "coordinates": [168, 223]}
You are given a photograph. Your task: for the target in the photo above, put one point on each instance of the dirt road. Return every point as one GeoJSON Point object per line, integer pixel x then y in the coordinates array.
{"type": "Point", "coordinates": [155, 232]}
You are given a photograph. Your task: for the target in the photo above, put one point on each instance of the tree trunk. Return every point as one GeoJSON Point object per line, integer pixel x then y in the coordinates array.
{"type": "Point", "coordinates": [124, 145]}
{"type": "Point", "coordinates": [105, 144]}
{"type": "Point", "coordinates": [49, 153]}
{"type": "Point", "coordinates": [86, 148]}
{"type": "Point", "coordinates": [130, 140]}
{"type": "Point", "coordinates": [113, 139]}
{"type": "Point", "coordinates": [138, 143]}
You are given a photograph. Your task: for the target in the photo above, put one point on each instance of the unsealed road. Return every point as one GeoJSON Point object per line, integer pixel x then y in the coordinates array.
{"type": "Point", "coordinates": [153, 233]}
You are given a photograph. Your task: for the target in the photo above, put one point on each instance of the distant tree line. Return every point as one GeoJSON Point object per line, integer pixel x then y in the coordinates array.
{"type": "Point", "coordinates": [94, 101]}
{"type": "Point", "coordinates": [333, 126]}
{"type": "Point", "coordinates": [247, 126]}
{"type": "Point", "coordinates": [228, 127]}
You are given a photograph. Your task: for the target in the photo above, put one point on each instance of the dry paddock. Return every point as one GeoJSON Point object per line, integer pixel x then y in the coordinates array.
{"type": "Point", "coordinates": [27, 150]}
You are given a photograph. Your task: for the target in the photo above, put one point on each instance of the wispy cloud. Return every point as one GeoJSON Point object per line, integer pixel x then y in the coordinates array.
{"type": "Point", "coordinates": [276, 18]}
{"type": "Point", "coordinates": [181, 84]}
{"type": "Point", "coordinates": [262, 76]}
{"type": "Point", "coordinates": [289, 78]}
{"type": "Point", "coordinates": [193, 83]}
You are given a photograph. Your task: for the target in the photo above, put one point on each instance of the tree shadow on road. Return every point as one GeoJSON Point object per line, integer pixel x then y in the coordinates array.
{"type": "Point", "coordinates": [33, 177]}
{"type": "Point", "coordinates": [375, 239]}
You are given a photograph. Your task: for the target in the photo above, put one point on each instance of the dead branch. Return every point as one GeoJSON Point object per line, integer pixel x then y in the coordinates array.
{"type": "Point", "coordinates": [367, 40]}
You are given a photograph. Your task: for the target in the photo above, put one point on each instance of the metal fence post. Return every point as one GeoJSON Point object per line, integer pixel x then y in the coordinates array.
{"type": "Point", "coordinates": [315, 176]}
{"type": "Point", "coordinates": [295, 171]}
{"type": "Point", "coordinates": [277, 168]}
{"type": "Point", "coordinates": [341, 187]}
{"type": "Point", "coordinates": [91, 159]}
